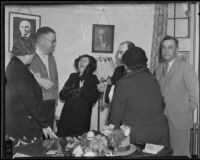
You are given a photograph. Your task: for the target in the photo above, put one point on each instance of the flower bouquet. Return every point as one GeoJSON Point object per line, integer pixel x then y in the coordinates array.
{"type": "Point", "coordinates": [88, 145]}
{"type": "Point", "coordinates": [115, 136]}
{"type": "Point", "coordinates": [100, 144]}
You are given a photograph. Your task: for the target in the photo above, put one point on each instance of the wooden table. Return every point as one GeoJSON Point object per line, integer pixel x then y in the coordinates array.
{"type": "Point", "coordinates": [39, 149]}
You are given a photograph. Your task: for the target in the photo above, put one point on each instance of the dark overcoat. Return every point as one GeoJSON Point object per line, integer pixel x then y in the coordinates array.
{"type": "Point", "coordinates": [23, 102]}
{"type": "Point", "coordinates": [76, 113]}
{"type": "Point", "coordinates": [137, 102]}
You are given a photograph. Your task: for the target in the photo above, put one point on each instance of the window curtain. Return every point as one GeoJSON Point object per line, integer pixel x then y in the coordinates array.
{"type": "Point", "coordinates": [159, 32]}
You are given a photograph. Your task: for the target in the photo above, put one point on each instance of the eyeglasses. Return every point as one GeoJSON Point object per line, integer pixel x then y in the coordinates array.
{"type": "Point", "coordinates": [54, 41]}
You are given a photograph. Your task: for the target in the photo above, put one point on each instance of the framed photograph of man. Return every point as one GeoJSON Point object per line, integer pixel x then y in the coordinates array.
{"type": "Point", "coordinates": [102, 38]}
{"type": "Point", "coordinates": [22, 25]}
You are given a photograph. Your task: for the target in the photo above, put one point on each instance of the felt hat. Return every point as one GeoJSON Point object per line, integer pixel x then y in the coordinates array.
{"type": "Point", "coordinates": [134, 56]}
{"type": "Point", "coordinates": [23, 46]}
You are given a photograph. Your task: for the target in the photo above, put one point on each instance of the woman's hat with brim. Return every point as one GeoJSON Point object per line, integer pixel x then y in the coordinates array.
{"type": "Point", "coordinates": [23, 46]}
{"type": "Point", "coordinates": [128, 152]}
{"type": "Point", "coordinates": [134, 56]}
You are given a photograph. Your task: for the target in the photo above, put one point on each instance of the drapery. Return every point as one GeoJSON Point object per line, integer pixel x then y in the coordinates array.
{"type": "Point", "coordinates": [159, 32]}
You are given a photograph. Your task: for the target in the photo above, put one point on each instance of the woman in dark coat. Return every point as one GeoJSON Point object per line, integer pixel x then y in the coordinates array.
{"type": "Point", "coordinates": [79, 93]}
{"type": "Point", "coordinates": [137, 102]}
{"type": "Point", "coordinates": [23, 96]}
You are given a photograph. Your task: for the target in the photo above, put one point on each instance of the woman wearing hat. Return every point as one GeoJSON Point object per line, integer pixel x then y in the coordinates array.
{"type": "Point", "coordinates": [23, 96]}
{"type": "Point", "coordinates": [137, 102]}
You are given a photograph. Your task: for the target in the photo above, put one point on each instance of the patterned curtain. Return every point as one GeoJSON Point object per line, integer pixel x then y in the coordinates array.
{"type": "Point", "coordinates": [159, 32]}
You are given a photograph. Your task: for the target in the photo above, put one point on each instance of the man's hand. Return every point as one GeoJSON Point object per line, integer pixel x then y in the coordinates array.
{"type": "Point", "coordinates": [47, 84]}
{"type": "Point", "coordinates": [109, 81]}
{"type": "Point", "coordinates": [102, 86]}
{"type": "Point", "coordinates": [48, 132]}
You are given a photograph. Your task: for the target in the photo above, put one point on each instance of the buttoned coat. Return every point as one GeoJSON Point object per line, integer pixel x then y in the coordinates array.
{"type": "Point", "coordinates": [137, 102]}
{"type": "Point", "coordinates": [23, 102]}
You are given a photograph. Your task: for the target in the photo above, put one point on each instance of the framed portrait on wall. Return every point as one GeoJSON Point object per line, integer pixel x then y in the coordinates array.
{"type": "Point", "coordinates": [102, 38]}
{"type": "Point", "coordinates": [22, 25]}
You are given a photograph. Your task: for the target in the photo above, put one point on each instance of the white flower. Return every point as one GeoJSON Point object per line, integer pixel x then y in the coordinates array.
{"type": "Point", "coordinates": [126, 130]}
{"type": "Point", "coordinates": [90, 135]}
{"type": "Point", "coordinates": [106, 132]}
{"type": "Point", "coordinates": [111, 126]}
{"type": "Point", "coordinates": [68, 138]}
{"type": "Point", "coordinates": [77, 151]}
{"type": "Point", "coordinates": [105, 127]}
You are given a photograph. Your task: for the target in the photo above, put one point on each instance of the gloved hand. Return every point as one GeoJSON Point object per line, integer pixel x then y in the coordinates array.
{"type": "Point", "coordinates": [76, 92]}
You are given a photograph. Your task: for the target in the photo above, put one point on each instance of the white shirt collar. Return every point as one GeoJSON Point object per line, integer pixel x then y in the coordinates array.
{"type": "Point", "coordinates": [41, 55]}
{"type": "Point", "coordinates": [103, 45]}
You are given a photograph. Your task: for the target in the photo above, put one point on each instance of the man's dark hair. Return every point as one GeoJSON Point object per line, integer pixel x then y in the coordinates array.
{"type": "Point", "coordinates": [167, 37]}
{"type": "Point", "coordinates": [42, 31]}
{"type": "Point", "coordinates": [129, 44]}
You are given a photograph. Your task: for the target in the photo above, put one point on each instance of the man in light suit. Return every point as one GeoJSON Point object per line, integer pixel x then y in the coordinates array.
{"type": "Point", "coordinates": [180, 89]}
{"type": "Point", "coordinates": [44, 69]}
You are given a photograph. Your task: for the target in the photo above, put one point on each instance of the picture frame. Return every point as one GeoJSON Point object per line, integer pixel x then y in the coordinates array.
{"type": "Point", "coordinates": [102, 38]}
{"type": "Point", "coordinates": [21, 24]}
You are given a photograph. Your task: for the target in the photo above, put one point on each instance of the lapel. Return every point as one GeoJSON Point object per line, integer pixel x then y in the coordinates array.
{"type": "Point", "coordinates": [51, 67]}
{"type": "Point", "coordinates": [171, 71]}
{"type": "Point", "coordinates": [159, 74]}
{"type": "Point", "coordinates": [43, 67]}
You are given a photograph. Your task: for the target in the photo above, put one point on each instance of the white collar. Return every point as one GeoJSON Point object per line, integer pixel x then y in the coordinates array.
{"type": "Point", "coordinates": [40, 54]}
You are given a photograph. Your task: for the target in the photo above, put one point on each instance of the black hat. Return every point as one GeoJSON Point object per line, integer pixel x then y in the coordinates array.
{"type": "Point", "coordinates": [134, 56]}
{"type": "Point", "coordinates": [23, 46]}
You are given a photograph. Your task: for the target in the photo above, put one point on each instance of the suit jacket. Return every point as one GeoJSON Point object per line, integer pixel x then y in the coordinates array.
{"type": "Point", "coordinates": [137, 102]}
{"type": "Point", "coordinates": [37, 66]}
{"type": "Point", "coordinates": [180, 89]}
{"type": "Point", "coordinates": [23, 102]}
{"type": "Point", "coordinates": [119, 72]}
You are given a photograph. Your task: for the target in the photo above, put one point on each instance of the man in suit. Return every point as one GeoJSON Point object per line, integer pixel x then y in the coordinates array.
{"type": "Point", "coordinates": [102, 43]}
{"type": "Point", "coordinates": [180, 89]}
{"type": "Point", "coordinates": [23, 96]}
{"type": "Point", "coordinates": [119, 72]}
{"type": "Point", "coordinates": [44, 69]}
{"type": "Point", "coordinates": [137, 102]}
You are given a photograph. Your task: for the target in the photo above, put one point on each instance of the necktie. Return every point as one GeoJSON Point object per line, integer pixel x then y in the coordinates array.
{"type": "Point", "coordinates": [165, 69]}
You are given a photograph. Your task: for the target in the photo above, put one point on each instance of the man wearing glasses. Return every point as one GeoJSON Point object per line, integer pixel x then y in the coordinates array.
{"type": "Point", "coordinates": [44, 69]}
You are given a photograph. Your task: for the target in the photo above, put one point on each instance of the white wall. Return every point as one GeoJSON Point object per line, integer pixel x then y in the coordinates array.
{"type": "Point", "coordinates": [73, 26]}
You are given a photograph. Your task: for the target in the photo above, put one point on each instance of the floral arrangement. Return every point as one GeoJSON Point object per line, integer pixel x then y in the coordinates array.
{"type": "Point", "coordinates": [115, 136]}
{"type": "Point", "coordinates": [101, 144]}
{"type": "Point", "coordinates": [88, 145]}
